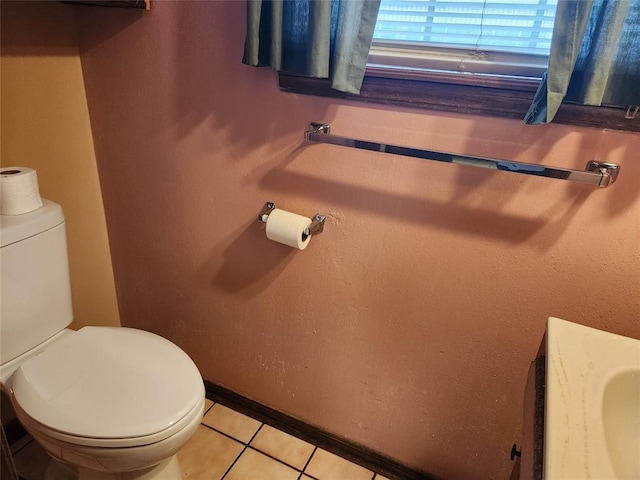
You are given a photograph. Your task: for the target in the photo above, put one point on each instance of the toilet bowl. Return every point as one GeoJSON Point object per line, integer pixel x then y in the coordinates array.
{"type": "Point", "coordinates": [106, 402]}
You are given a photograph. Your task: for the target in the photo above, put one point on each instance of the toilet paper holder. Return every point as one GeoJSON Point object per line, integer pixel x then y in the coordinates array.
{"type": "Point", "coordinates": [317, 222]}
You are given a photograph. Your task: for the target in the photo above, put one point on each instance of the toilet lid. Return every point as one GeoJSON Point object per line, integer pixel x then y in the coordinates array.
{"type": "Point", "coordinates": [108, 382]}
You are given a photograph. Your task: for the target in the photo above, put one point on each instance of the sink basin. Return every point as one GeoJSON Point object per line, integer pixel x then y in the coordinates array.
{"type": "Point", "coordinates": [621, 420]}
{"type": "Point", "coordinates": [592, 404]}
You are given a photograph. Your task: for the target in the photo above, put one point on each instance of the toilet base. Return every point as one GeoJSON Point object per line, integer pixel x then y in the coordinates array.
{"type": "Point", "coordinates": [60, 471]}
{"type": "Point", "coordinates": [168, 469]}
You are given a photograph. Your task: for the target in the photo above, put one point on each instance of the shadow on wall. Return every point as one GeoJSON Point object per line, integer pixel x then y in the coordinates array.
{"type": "Point", "coordinates": [485, 220]}
{"type": "Point", "coordinates": [248, 275]}
{"type": "Point", "coordinates": [538, 143]}
{"type": "Point", "coordinates": [462, 211]}
{"type": "Point", "coordinates": [626, 189]}
{"type": "Point", "coordinates": [207, 93]}
{"type": "Point", "coordinates": [17, 25]}
{"type": "Point", "coordinates": [240, 274]}
{"type": "Point", "coordinates": [211, 91]}
{"type": "Point", "coordinates": [408, 207]}
{"type": "Point", "coordinates": [203, 96]}
{"type": "Point", "coordinates": [206, 58]}
{"type": "Point", "coordinates": [22, 30]}
{"type": "Point", "coordinates": [191, 63]}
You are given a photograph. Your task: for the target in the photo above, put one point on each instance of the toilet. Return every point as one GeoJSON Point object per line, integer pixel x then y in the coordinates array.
{"type": "Point", "coordinates": [105, 403]}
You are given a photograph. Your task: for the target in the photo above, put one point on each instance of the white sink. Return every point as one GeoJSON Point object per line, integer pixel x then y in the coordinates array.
{"type": "Point", "coordinates": [621, 421]}
{"type": "Point", "coordinates": [592, 404]}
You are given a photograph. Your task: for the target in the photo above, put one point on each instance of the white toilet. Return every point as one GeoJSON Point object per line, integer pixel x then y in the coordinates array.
{"type": "Point", "coordinates": [106, 402]}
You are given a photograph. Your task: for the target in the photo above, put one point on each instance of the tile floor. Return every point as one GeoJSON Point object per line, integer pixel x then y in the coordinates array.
{"type": "Point", "coordinates": [231, 446]}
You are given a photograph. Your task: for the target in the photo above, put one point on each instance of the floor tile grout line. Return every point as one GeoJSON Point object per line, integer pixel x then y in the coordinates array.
{"type": "Point", "coordinates": [255, 449]}
{"type": "Point", "coordinates": [304, 469]}
{"type": "Point", "coordinates": [244, 445]}
{"type": "Point", "coordinates": [244, 449]}
{"type": "Point", "coordinates": [255, 434]}
{"type": "Point", "coordinates": [233, 463]}
{"type": "Point", "coordinates": [247, 445]}
{"type": "Point", "coordinates": [251, 447]}
{"type": "Point", "coordinates": [206, 410]}
{"type": "Point", "coordinates": [228, 435]}
{"type": "Point", "coordinates": [224, 434]}
{"type": "Point", "coordinates": [374, 473]}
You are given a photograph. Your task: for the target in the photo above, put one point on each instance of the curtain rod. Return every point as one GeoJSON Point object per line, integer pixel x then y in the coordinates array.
{"type": "Point", "coordinates": [599, 174]}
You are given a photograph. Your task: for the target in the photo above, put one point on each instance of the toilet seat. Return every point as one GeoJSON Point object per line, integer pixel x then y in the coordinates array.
{"type": "Point", "coordinates": [107, 387]}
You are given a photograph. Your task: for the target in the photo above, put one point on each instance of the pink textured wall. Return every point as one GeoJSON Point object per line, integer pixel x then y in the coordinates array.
{"type": "Point", "coordinates": [409, 324]}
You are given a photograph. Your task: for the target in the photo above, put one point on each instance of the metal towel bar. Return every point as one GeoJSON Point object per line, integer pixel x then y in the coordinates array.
{"type": "Point", "coordinates": [596, 173]}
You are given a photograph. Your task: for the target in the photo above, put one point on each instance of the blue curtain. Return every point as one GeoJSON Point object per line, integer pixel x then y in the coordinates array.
{"type": "Point", "coordinates": [594, 59]}
{"type": "Point", "coordinates": [314, 38]}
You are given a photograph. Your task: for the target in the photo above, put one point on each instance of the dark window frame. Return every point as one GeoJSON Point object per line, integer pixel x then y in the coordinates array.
{"type": "Point", "coordinates": [503, 97]}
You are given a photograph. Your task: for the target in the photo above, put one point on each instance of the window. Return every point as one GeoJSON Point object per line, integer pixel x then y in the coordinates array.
{"type": "Point", "coordinates": [499, 37]}
{"type": "Point", "coordinates": [479, 57]}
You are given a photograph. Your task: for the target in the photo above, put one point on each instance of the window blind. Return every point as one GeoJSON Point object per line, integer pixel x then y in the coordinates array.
{"type": "Point", "coordinates": [523, 26]}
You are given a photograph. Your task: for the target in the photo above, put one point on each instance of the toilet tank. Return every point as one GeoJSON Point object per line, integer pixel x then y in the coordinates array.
{"type": "Point", "coordinates": [35, 293]}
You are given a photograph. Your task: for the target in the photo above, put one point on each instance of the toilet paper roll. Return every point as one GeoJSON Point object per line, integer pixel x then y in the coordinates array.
{"type": "Point", "coordinates": [19, 191]}
{"type": "Point", "coordinates": [288, 228]}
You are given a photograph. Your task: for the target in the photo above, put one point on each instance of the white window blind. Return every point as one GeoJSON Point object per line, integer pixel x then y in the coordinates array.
{"type": "Point", "coordinates": [487, 31]}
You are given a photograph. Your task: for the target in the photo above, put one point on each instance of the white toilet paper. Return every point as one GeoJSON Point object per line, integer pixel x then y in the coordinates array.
{"type": "Point", "coordinates": [19, 191]}
{"type": "Point", "coordinates": [288, 228]}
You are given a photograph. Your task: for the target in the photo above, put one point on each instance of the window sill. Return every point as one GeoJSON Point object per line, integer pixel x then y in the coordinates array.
{"type": "Point", "coordinates": [489, 96]}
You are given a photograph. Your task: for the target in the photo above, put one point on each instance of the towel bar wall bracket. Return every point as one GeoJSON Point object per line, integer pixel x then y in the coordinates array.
{"type": "Point", "coordinates": [605, 168]}
{"type": "Point", "coordinates": [599, 174]}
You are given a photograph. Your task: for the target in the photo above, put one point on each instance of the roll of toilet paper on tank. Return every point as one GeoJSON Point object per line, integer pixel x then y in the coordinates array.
{"type": "Point", "coordinates": [19, 191]}
{"type": "Point", "coordinates": [288, 228]}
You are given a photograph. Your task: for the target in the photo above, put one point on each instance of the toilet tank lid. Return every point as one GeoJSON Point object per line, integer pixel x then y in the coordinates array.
{"type": "Point", "coordinates": [108, 382]}
{"type": "Point", "coordinates": [18, 227]}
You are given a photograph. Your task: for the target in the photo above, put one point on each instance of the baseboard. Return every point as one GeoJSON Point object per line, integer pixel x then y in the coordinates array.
{"type": "Point", "coordinates": [343, 447]}
{"type": "Point", "coordinates": [352, 451]}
